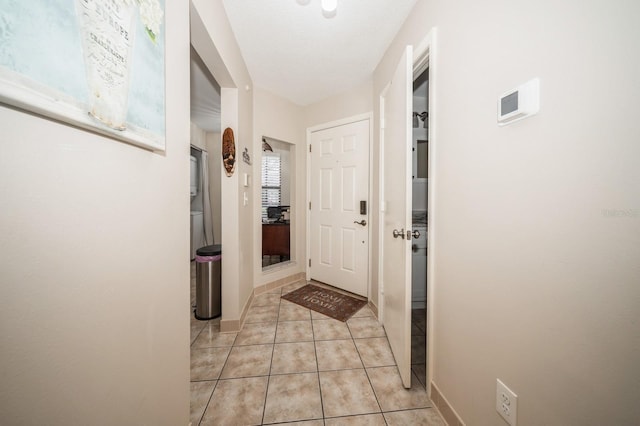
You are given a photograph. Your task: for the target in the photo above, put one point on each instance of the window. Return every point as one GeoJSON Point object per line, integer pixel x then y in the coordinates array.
{"type": "Point", "coordinates": [271, 182]}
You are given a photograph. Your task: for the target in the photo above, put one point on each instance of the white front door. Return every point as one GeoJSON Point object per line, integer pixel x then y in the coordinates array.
{"type": "Point", "coordinates": [339, 184]}
{"type": "Point", "coordinates": [395, 163]}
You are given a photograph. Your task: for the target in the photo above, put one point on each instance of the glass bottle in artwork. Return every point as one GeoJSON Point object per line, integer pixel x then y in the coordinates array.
{"type": "Point", "coordinates": [107, 30]}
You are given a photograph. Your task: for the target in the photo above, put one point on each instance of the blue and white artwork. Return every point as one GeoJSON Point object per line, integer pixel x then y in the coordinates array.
{"type": "Point", "coordinates": [97, 64]}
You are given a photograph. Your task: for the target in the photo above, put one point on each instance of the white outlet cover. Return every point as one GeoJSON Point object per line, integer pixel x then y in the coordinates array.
{"type": "Point", "coordinates": [506, 403]}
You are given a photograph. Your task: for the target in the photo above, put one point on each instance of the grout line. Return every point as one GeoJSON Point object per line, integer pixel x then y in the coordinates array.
{"type": "Point", "coordinates": [273, 348]}
{"type": "Point", "coordinates": [315, 350]}
{"type": "Point", "coordinates": [365, 371]}
{"type": "Point", "coordinates": [208, 402]}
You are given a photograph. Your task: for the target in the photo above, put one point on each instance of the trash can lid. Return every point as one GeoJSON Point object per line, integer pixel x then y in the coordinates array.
{"type": "Point", "coordinates": [212, 250]}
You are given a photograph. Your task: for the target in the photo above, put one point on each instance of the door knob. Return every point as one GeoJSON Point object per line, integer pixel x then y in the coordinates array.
{"type": "Point", "coordinates": [399, 233]}
{"type": "Point", "coordinates": [415, 234]}
{"type": "Point", "coordinates": [362, 222]}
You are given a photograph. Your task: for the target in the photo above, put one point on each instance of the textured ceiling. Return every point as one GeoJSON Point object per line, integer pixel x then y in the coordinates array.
{"type": "Point", "coordinates": [293, 51]}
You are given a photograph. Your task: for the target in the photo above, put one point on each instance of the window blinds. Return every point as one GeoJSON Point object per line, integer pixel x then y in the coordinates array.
{"type": "Point", "coordinates": [271, 182]}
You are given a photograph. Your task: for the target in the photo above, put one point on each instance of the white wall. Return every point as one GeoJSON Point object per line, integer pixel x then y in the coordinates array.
{"type": "Point", "coordinates": [94, 294]}
{"type": "Point", "coordinates": [356, 101]}
{"type": "Point", "coordinates": [536, 278]}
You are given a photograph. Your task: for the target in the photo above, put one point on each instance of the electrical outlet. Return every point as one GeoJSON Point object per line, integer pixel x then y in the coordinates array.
{"type": "Point", "coordinates": [506, 403]}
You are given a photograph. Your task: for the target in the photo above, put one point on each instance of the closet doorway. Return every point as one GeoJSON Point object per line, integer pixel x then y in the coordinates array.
{"type": "Point", "coordinates": [420, 215]}
{"type": "Point", "coordinates": [205, 161]}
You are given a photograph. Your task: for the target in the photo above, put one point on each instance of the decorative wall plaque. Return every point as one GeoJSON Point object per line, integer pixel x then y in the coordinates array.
{"type": "Point", "coordinates": [245, 156]}
{"type": "Point", "coordinates": [228, 151]}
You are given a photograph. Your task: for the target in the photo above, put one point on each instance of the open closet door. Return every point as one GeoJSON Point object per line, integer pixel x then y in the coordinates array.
{"type": "Point", "coordinates": [396, 214]}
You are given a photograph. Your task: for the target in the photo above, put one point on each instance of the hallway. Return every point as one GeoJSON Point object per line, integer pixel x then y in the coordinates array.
{"type": "Point", "coordinates": [290, 364]}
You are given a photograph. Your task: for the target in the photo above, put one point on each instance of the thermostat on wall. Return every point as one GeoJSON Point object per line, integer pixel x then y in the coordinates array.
{"type": "Point", "coordinates": [519, 103]}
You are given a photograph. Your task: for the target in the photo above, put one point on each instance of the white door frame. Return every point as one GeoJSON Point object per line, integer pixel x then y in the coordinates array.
{"type": "Point", "coordinates": [424, 54]}
{"type": "Point", "coordinates": [336, 123]}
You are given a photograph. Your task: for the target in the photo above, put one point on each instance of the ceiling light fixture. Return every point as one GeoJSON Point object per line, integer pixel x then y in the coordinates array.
{"type": "Point", "coordinates": [329, 8]}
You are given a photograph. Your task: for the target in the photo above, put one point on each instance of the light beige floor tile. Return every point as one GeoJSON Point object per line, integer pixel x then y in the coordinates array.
{"type": "Point", "coordinates": [420, 372]}
{"type": "Point", "coordinates": [266, 299]}
{"type": "Point", "coordinates": [347, 392]}
{"type": "Point", "coordinates": [363, 420]}
{"type": "Point", "coordinates": [200, 394]}
{"type": "Point", "coordinates": [419, 318]}
{"type": "Point", "coordinates": [291, 358]}
{"type": "Point", "coordinates": [293, 397]}
{"type": "Point", "coordinates": [210, 337]}
{"type": "Point", "coordinates": [248, 361]}
{"type": "Point", "coordinates": [421, 417]}
{"type": "Point", "coordinates": [207, 363]}
{"type": "Point", "coordinates": [305, 423]}
{"type": "Point", "coordinates": [292, 312]}
{"type": "Point", "coordinates": [294, 331]}
{"type": "Point", "coordinates": [275, 291]}
{"type": "Point", "coordinates": [365, 327]}
{"type": "Point", "coordinates": [415, 331]}
{"type": "Point", "coordinates": [267, 313]}
{"type": "Point", "coordinates": [375, 352]}
{"type": "Point", "coordinates": [418, 349]}
{"type": "Point", "coordinates": [365, 311]}
{"type": "Point", "coordinates": [196, 327]}
{"type": "Point", "coordinates": [318, 316]}
{"type": "Point", "coordinates": [330, 330]}
{"type": "Point", "coordinates": [392, 395]}
{"type": "Point", "coordinates": [337, 355]}
{"type": "Point", "coordinates": [256, 334]}
{"type": "Point", "coordinates": [237, 402]}
{"type": "Point", "coordinates": [293, 286]}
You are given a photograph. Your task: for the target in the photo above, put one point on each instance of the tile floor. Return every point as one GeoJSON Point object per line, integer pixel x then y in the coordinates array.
{"type": "Point", "coordinates": [290, 365]}
{"type": "Point", "coordinates": [418, 345]}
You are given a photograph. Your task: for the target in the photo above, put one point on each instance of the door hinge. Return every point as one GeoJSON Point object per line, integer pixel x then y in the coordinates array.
{"type": "Point", "coordinates": [309, 263]}
{"type": "Point", "coordinates": [309, 205]}
{"type": "Point", "coordinates": [309, 147]}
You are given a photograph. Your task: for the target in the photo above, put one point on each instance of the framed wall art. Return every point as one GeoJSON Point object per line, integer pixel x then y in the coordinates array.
{"type": "Point", "coordinates": [95, 64]}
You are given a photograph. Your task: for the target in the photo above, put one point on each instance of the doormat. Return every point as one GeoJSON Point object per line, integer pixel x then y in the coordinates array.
{"type": "Point", "coordinates": [328, 302]}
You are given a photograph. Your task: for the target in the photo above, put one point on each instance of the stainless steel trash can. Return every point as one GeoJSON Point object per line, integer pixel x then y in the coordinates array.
{"type": "Point", "coordinates": [208, 282]}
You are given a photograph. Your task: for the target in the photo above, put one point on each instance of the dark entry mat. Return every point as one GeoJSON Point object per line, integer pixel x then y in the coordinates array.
{"type": "Point", "coordinates": [328, 302]}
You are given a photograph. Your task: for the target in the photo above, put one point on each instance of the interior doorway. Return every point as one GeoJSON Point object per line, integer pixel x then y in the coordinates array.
{"type": "Point", "coordinates": [396, 205]}
{"type": "Point", "coordinates": [205, 156]}
{"type": "Point", "coordinates": [419, 216]}
{"type": "Point", "coordinates": [205, 162]}
{"type": "Point", "coordinates": [339, 230]}
{"type": "Point", "coordinates": [276, 200]}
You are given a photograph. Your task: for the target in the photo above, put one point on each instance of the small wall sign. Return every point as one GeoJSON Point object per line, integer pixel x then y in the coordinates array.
{"type": "Point", "coordinates": [246, 157]}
